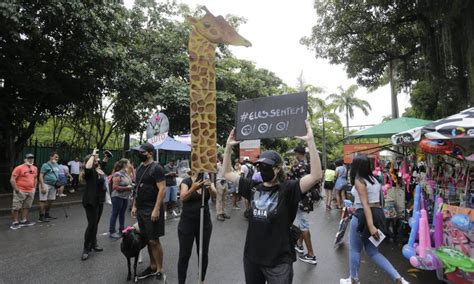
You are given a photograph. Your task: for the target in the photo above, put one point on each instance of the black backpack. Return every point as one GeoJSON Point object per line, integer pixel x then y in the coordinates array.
{"type": "Point", "coordinates": [250, 172]}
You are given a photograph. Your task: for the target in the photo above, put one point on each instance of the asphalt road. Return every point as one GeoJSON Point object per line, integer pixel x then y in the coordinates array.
{"type": "Point", "coordinates": [50, 253]}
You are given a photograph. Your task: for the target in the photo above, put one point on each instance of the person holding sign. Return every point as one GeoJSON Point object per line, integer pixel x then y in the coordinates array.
{"type": "Point", "coordinates": [269, 247]}
{"type": "Point", "coordinates": [367, 221]}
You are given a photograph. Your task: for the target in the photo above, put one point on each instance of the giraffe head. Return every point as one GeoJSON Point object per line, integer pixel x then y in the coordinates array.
{"type": "Point", "coordinates": [217, 30]}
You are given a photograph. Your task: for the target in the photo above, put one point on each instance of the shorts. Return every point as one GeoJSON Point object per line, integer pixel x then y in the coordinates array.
{"type": "Point", "coordinates": [171, 194]}
{"type": "Point", "coordinates": [151, 230]}
{"type": "Point", "coordinates": [232, 187]}
{"type": "Point", "coordinates": [22, 200]}
{"type": "Point", "coordinates": [329, 185]}
{"type": "Point", "coordinates": [301, 220]}
{"type": "Point", "coordinates": [340, 183]}
{"type": "Point", "coordinates": [50, 193]}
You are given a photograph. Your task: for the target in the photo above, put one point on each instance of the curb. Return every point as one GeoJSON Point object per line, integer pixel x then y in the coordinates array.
{"type": "Point", "coordinates": [7, 211]}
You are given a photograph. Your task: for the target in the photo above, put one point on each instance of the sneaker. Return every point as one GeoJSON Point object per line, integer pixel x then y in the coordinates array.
{"type": "Point", "coordinates": [176, 214]}
{"type": "Point", "coordinates": [115, 236]}
{"type": "Point", "coordinates": [308, 259]}
{"type": "Point", "coordinates": [347, 281]}
{"type": "Point", "coordinates": [402, 281]}
{"type": "Point", "coordinates": [299, 249]}
{"type": "Point", "coordinates": [15, 226]}
{"type": "Point", "coordinates": [62, 195]}
{"type": "Point", "coordinates": [47, 216]}
{"type": "Point", "coordinates": [72, 190]}
{"type": "Point", "coordinates": [161, 276]}
{"type": "Point", "coordinates": [26, 223]}
{"type": "Point", "coordinates": [42, 219]}
{"type": "Point", "coordinates": [236, 208]}
{"type": "Point", "coordinates": [226, 216]}
{"type": "Point", "coordinates": [220, 217]}
{"type": "Point", "coordinates": [147, 273]}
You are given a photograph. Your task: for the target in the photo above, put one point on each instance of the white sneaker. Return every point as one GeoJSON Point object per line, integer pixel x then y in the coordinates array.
{"type": "Point", "coordinates": [62, 195]}
{"type": "Point", "coordinates": [347, 281]}
{"type": "Point", "coordinates": [403, 281]}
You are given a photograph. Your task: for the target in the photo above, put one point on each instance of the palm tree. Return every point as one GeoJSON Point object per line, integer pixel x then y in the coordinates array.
{"type": "Point", "coordinates": [346, 101]}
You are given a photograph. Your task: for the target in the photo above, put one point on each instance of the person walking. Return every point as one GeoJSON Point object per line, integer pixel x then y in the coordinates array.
{"type": "Point", "coordinates": [149, 210]}
{"type": "Point", "coordinates": [329, 177]}
{"type": "Point", "coordinates": [121, 188]}
{"type": "Point", "coordinates": [171, 197]}
{"type": "Point", "coordinates": [93, 199]}
{"type": "Point", "coordinates": [269, 248]}
{"type": "Point", "coordinates": [298, 171]}
{"type": "Point", "coordinates": [191, 191]}
{"type": "Point", "coordinates": [24, 181]}
{"type": "Point", "coordinates": [341, 182]}
{"type": "Point", "coordinates": [64, 178]}
{"type": "Point", "coordinates": [49, 183]}
{"type": "Point", "coordinates": [367, 220]}
{"type": "Point", "coordinates": [75, 166]}
{"type": "Point", "coordinates": [221, 188]}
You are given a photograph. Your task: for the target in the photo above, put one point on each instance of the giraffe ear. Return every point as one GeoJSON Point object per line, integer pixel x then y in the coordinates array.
{"type": "Point", "coordinates": [191, 19]}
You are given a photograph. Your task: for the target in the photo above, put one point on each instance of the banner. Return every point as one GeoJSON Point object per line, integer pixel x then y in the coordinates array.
{"type": "Point", "coordinates": [272, 117]}
{"type": "Point", "coordinates": [351, 150]}
{"type": "Point", "coordinates": [157, 129]}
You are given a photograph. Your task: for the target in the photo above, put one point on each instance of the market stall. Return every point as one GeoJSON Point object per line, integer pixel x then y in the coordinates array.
{"type": "Point", "coordinates": [439, 177]}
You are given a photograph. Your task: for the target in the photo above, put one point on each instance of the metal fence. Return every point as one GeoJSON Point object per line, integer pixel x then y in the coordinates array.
{"type": "Point", "coordinates": [67, 153]}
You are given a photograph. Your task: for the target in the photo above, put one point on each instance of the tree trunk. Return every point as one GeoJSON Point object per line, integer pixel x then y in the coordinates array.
{"type": "Point", "coordinates": [324, 145]}
{"type": "Point", "coordinates": [393, 90]}
{"type": "Point", "coordinates": [347, 119]}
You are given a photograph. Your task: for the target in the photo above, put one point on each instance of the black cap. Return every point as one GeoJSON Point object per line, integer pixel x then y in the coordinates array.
{"type": "Point", "coordinates": [147, 147]}
{"type": "Point", "coordinates": [29, 155]}
{"type": "Point", "coordinates": [270, 157]}
{"type": "Point", "coordinates": [300, 150]}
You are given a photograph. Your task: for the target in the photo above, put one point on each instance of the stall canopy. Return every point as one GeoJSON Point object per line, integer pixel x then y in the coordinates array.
{"type": "Point", "coordinates": [388, 128]}
{"type": "Point", "coordinates": [460, 125]}
{"type": "Point", "coordinates": [171, 145]}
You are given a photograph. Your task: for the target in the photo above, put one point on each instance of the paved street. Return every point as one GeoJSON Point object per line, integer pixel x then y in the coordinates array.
{"type": "Point", "coordinates": [51, 253]}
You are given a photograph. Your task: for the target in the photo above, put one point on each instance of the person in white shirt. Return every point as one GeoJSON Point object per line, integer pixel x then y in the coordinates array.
{"type": "Point", "coordinates": [75, 166]}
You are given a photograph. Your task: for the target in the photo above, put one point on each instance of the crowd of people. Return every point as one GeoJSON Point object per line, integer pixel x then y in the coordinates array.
{"type": "Point", "coordinates": [278, 201]}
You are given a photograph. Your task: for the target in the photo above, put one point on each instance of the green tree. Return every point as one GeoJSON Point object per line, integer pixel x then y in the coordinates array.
{"type": "Point", "coordinates": [346, 102]}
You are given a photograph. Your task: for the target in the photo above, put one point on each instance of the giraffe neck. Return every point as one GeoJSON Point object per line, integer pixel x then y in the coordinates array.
{"type": "Point", "coordinates": [202, 56]}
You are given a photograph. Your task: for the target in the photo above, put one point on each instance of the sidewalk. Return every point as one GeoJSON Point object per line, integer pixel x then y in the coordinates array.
{"type": "Point", "coordinates": [71, 198]}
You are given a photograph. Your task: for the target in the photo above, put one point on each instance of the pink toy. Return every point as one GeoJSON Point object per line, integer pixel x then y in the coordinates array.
{"type": "Point", "coordinates": [438, 233]}
{"type": "Point", "coordinates": [429, 262]}
{"type": "Point", "coordinates": [422, 234]}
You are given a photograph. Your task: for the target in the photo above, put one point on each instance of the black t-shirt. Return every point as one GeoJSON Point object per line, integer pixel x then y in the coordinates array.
{"type": "Point", "coordinates": [147, 190]}
{"type": "Point", "coordinates": [273, 210]}
{"type": "Point", "coordinates": [170, 180]}
{"type": "Point", "coordinates": [94, 194]}
{"type": "Point", "coordinates": [192, 206]}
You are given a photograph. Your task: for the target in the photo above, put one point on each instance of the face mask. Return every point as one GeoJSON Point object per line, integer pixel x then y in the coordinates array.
{"type": "Point", "coordinates": [29, 162]}
{"type": "Point", "coordinates": [142, 157]}
{"type": "Point", "coordinates": [267, 174]}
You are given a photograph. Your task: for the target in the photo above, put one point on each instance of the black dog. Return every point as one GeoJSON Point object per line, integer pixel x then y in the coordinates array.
{"type": "Point", "coordinates": [131, 245]}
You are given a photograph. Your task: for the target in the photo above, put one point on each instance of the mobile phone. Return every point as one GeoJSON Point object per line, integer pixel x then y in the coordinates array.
{"type": "Point", "coordinates": [200, 177]}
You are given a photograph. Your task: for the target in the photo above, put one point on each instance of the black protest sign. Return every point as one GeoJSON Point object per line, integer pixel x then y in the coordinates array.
{"type": "Point", "coordinates": [272, 117]}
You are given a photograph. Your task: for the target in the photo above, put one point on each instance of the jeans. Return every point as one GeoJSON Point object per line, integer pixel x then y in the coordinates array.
{"type": "Point", "coordinates": [93, 214]}
{"type": "Point", "coordinates": [119, 206]}
{"type": "Point", "coordinates": [356, 243]}
{"type": "Point", "coordinates": [171, 194]}
{"type": "Point", "coordinates": [257, 274]}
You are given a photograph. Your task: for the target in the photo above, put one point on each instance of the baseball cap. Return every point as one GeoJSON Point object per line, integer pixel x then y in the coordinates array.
{"type": "Point", "coordinates": [300, 150]}
{"type": "Point", "coordinates": [147, 147]}
{"type": "Point", "coordinates": [29, 155]}
{"type": "Point", "coordinates": [270, 158]}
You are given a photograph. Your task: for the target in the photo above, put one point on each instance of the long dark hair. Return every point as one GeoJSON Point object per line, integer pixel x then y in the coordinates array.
{"type": "Point", "coordinates": [360, 168]}
{"type": "Point", "coordinates": [120, 164]}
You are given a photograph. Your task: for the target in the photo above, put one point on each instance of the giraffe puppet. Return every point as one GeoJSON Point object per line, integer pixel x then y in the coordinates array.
{"type": "Point", "coordinates": [206, 34]}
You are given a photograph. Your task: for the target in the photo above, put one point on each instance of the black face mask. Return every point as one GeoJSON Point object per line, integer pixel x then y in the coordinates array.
{"type": "Point", "coordinates": [267, 173]}
{"type": "Point", "coordinates": [142, 157]}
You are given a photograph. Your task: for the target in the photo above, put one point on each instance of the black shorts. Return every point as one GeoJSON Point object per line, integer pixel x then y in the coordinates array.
{"type": "Point", "coordinates": [328, 185]}
{"type": "Point", "coordinates": [151, 230]}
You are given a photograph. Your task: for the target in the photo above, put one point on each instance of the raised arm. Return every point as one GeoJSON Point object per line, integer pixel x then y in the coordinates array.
{"type": "Point", "coordinates": [229, 174]}
{"type": "Point", "coordinates": [308, 181]}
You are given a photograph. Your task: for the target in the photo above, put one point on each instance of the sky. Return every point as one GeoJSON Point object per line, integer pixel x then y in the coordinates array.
{"type": "Point", "coordinates": [275, 27]}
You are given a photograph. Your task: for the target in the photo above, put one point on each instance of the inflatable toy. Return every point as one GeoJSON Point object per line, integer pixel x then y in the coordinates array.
{"type": "Point", "coordinates": [436, 146]}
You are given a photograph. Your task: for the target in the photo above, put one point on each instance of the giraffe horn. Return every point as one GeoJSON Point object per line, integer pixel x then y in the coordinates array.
{"type": "Point", "coordinates": [206, 10]}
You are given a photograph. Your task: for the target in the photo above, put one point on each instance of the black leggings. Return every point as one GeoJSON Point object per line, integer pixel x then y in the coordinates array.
{"type": "Point", "coordinates": [93, 214]}
{"type": "Point", "coordinates": [188, 231]}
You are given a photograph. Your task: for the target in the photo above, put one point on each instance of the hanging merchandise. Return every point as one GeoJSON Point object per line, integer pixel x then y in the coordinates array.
{"type": "Point", "coordinates": [436, 146]}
